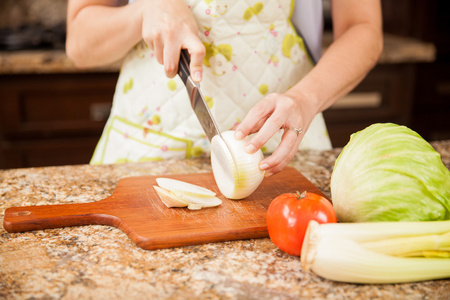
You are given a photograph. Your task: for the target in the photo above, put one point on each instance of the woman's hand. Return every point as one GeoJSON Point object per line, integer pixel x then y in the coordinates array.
{"type": "Point", "coordinates": [169, 26]}
{"type": "Point", "coordinates": [357, 46]}
{"type": "Point", "coordinates": [100, 32]}
{"type": "Point", "coordinates": [273, 113]}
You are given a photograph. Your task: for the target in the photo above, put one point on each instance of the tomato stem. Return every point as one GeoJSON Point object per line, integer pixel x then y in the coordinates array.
{"type": "Point", "coordinates": [300, 195]}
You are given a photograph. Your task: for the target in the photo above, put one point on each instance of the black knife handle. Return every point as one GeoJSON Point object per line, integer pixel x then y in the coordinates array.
{"type": "Point", "coordinates": [183, 65]}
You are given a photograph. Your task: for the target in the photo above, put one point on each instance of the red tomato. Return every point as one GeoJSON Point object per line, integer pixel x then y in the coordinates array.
{"type": "Point", "coordinates": [288, 217]}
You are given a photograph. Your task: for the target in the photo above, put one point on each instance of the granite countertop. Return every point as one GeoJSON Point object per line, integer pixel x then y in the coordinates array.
{"type": "Point", "coordinates": [101, 262]}
{"type": "Point", "coordinates": [396, 49]}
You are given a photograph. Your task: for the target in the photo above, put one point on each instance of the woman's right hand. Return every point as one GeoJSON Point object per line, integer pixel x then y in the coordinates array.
{"type": "Point", "coordinates": [169, 26]}
{"type": "Point", "coordinates": [100, 32]}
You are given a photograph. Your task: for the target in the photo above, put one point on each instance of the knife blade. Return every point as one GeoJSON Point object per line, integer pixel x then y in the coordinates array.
{"type": "Point", "coordinates": [200, 107]}
{"type": "Point", "coordinates": [198, 102]}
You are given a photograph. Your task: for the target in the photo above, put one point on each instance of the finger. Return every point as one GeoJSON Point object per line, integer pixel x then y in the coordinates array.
{"type": "Point", "coordinates": [150, 45]}
{"type": "Point", "coordinates": [283, 154]}
{"type": "Point", "coordinates": [171, 59]}
{"type": "Point", "coordinates": [197, 53]}
{"type": "Point", "coordinates": [148, 36]}
{"type": "Point", "coordinates": [281, 165]}
{"type": "Point", "coordinates": [269, 129]}
{"type": "Point", "coordinates": [238, 135]}
{"type": "Point", "coordinates": [158, 49]}
{"type": "Point", "coordinates": [255, 119]}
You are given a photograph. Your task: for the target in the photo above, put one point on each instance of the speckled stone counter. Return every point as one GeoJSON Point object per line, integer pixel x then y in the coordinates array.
{"type": "Point", "coordinates": [101, 262]}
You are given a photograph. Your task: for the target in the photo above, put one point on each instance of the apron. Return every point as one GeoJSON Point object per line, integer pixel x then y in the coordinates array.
{"type": "Point", "coordinates": [252, 49]}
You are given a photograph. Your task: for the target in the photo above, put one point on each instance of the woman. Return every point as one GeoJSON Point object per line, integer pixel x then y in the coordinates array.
{"type": "Point", "coordinates": [255, 71]}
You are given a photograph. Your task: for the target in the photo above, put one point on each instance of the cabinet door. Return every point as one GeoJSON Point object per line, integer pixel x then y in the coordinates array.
{"type": "Point", "coordinates": [431, 111]}
{"type": "Point", "coordinates": [46, 152]}
{"type": "Point", "coordinates": [385, 95]}
{"type": "Point", "coordinates": [55, 105]}
{"type": "Point", "coordinates": [52, 119]}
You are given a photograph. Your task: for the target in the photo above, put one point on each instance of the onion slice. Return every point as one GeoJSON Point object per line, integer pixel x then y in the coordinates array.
{"type": "Point", "coordinates": [176, 193]}
{"type": "Point", "coordinates": [183, 188]}
{"type": "Point", "coordinates": [169, 198]}
{"type": "Point", "coordinates": [204, 202]}
{"type": "Point", "coordinates": [236, 172]}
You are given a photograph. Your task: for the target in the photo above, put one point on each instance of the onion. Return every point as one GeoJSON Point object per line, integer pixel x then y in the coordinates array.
{"type": "Point", "coordinates": [236, 172]}
{"type": "Point", "coordinates": [169, 199]}
{"type": "Point", "coordinates": [176, 193]}
{"type": "Point", "coordinates": [184, 188]}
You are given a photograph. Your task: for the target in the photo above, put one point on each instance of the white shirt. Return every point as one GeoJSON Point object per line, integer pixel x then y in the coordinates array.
{"type": "Point", "coordinates": [307, 19]}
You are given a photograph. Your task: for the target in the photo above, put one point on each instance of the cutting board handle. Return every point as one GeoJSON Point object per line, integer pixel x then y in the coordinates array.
{"type": "Point", "coordinates": [28, 218]}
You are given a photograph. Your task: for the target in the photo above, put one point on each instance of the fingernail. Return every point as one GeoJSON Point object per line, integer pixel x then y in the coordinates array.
{"type": "Point", "coordinates": [268, 174]}
{"type": "Point", "coordinates": [198, 76]}
{"type": "Point", "coordinates": [263, 166]}
{"type": "Point", "coordinates": [250, 149]}
{"type": "Point", "coordinates": [238, 135]}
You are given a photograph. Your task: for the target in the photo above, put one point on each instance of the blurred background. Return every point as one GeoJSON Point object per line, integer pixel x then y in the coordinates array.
{"type": "Point", "coordinates": [53, 114]}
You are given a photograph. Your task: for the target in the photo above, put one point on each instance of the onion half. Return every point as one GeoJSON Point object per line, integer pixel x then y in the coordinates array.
{"type": "Point", "coordinates": [236, 172]}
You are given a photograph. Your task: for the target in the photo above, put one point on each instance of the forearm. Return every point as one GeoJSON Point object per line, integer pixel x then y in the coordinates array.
{"type": "Point", "coordinates": [98, 35]}
{"type": "Point", "coordinates": [345, 63]}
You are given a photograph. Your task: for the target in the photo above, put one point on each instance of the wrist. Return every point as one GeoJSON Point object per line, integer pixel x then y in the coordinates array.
{"type": "Point", "coordinates": [305, 99]}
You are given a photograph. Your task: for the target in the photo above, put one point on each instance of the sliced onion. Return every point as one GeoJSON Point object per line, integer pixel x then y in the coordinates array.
{"type": "Point", "coordinates": [203, 201]}
{"type": "Point", "coordinates": [170, 199]}
{"type": "Point", "coordinates": [194, 206]}
{"type": "Point", "coordinates": [184, 188]}
{"type": "Point", "coordinates": [235, 181]}
{"type": "Point", "coordinates": [176, 193]}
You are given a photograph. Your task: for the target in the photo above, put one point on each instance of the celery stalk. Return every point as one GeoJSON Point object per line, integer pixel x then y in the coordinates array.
{"type": "Point", "coordinates": [338, 251]}
{"type": "Point", "coordinates": [372, 231]}
{"type": "Point", "coordinates": [410, 246]}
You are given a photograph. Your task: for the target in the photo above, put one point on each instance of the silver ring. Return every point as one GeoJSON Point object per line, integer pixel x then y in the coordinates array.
{"type": "Point", "coordinates": [296, 130]}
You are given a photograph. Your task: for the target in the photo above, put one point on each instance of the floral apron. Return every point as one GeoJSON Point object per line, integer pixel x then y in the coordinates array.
{"type": "Point", "coordinates": [252, 50]}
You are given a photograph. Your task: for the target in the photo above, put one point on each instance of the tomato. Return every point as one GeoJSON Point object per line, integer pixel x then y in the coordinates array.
{"type": "Point", "coordinates": [288, 217]}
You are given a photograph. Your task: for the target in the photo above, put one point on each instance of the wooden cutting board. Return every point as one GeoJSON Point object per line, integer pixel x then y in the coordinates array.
{"type": "Point", "coordinates": [135, 208]}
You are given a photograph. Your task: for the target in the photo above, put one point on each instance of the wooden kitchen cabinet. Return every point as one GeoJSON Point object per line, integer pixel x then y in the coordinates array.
{"type": "Point", "coordinates": [431, 111]}
{"type": "Point", "coordinates": [427, 21]}
{"type": "Point", "coordinates": [385, 95]}
{"type": "Point", "coordinates": [52, 119]}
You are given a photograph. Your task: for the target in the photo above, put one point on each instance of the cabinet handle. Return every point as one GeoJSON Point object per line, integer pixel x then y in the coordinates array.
{"type": "Point", "coordinates": [359, 100]}
{"type": "Point", "coordinates": [99, 112]}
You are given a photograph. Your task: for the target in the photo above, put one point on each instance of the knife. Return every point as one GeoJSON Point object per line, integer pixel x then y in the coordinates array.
{"type": "Point", "coordinates": [199, 105]}
{"type": "Point", "coordinates": [198, 102]}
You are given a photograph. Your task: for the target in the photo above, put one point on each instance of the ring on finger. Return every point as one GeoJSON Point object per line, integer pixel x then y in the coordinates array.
{"type": "Point", "coordinates": [296, 130]}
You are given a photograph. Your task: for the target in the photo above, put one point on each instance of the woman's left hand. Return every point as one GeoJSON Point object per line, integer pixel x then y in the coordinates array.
{"type": "Point", "coordinates": [358, 42]}
{"type": "Point", "coordinates": [273, 113]}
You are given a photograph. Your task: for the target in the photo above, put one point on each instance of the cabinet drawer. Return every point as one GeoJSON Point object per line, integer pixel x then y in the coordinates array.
{"type": "Point", "coordinates": [46, 152]}
{"type": "Point", "coordinates": [55, 105]}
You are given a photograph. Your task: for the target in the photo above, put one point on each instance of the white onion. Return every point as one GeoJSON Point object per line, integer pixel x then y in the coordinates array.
{"type": "Point", "coordinates": [235, 181]}
{"type": "Point", "coordinates": [176, 193]}
{"type": "Point", "coordinates": [184, 188]}
{"type": "Point", "coordinates": [169, 199]}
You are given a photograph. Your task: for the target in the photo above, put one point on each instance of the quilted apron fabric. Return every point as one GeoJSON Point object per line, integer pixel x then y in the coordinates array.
{"type": "Point", "coordinates": [252, 49]}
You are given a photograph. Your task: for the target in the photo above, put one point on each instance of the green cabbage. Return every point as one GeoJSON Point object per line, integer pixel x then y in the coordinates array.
{"type": "Point", "coordinates": [388, 172]}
